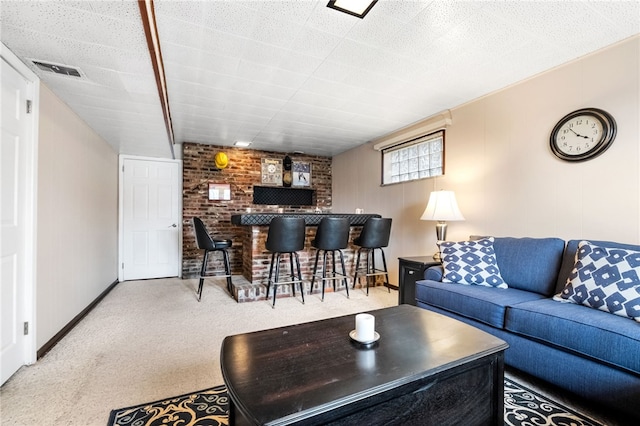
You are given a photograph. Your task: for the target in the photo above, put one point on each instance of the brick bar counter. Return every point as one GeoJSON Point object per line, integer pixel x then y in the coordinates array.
{"type": "Point", "coordinates": [256, 259]}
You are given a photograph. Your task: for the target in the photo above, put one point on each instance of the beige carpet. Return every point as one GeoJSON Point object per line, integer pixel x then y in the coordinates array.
{"type": "Point", "coordinates": [148, 340]}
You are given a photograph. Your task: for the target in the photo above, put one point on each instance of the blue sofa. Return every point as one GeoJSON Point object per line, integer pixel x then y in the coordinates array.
{"type": "Point", "coordinates": [589, 352]}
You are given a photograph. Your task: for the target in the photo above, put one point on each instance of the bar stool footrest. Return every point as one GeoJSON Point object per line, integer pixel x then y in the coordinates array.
{"type": "Point", "coordinates": [214, 275]}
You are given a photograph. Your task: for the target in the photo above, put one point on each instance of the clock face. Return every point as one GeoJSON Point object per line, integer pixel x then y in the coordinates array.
{"type": "Point", "coordinates": [579, 135]}
{"type": "Point", "coordinates": [271, 168]}
{"type": "Point", "coordinates": [583, 134]}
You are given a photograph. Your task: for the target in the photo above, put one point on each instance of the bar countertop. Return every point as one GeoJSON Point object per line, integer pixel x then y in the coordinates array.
{"type": "Point", "coordinates": [310, 219]}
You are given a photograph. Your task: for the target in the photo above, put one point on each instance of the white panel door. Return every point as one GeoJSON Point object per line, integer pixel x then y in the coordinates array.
{"type": "Point", "coordinates": [12, 218]}
{"type": "Point", "coordinates": [151, 219]}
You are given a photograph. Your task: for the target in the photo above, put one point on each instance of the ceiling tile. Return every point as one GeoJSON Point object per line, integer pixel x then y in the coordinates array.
{"type": "Point", "coordinates": [120, 9]}
{"type": "Point", "coordinates": [264, 54]}
{"type": "Point", "coordinates": [442, 16]}
{"type": "Point", "coordinates": [138, 83]}
{"type": "Point", "coordinates": [234, 17]}
{"type": "Point", "coordinates": [331, 20]}
{"type": "Point", "coordinates": [621, 16]}
{"type": "Point", "coordinates": [290, 10]}
{"type": "Point", "coordinates": [275, 31]}
{"type": "Point", "coordinates": [313, 42]}
{"type": "Point", "coordinates": [404, 11]}
{"type": "Point", "coordinates": [300, 63]}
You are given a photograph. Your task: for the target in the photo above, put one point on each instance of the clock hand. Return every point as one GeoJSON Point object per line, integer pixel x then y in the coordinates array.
{"type": "Point", "coordinates": [580, 136]}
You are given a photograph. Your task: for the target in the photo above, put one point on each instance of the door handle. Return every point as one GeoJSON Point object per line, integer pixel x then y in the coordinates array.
{"type": "Point", "coordinates": [172, 226]}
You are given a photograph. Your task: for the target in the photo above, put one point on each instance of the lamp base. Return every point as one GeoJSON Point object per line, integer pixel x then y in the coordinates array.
{"type": "Point", "coordinates": [441, 235]}
{"type": "Point", "coordinates": [441, 230]}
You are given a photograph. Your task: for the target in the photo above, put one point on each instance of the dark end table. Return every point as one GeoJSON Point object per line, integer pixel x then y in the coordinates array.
{"type": "Point", "coordinates": [411, 269]}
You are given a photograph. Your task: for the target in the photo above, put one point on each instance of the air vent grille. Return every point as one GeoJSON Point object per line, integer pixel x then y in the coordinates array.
{"type": "Point", "coordinates": [59, 69]}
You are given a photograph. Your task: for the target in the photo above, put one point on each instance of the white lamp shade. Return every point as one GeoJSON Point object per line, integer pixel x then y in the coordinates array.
{"type": "Point", "coordinates": [442, 206]}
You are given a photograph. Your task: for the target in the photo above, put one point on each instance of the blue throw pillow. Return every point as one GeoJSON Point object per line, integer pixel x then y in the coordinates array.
{"type": "Point", "coordinates": [471, 263]}
{"type": "Point", "coordinates": [605, 278]}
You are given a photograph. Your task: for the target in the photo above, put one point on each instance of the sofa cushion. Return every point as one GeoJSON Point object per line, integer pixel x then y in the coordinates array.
{"type": "Point", "coordinates": [598, 335]}
{"type": "Point", "coordinates": [530, 264]}
{"type": "Point", "coordinates": [606, 279]}
{"type": "Point", "coordinates": [484, 304]}
{"type": "Point", "coordinates": [471, 262]}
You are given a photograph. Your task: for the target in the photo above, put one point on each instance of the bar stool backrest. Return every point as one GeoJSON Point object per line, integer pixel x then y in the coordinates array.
{"type": "Point", "coordinates": [375, 233]}
{"type": "Point", "coordinates": [332, 233]}
{"type": "Point", "coordinates": [203, 239]}
{"type": "Point", "coordinates": [286, 235]}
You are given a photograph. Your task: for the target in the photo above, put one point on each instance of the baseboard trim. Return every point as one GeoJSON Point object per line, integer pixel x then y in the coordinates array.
{"type": "Point", "coordinates": [67, 328]}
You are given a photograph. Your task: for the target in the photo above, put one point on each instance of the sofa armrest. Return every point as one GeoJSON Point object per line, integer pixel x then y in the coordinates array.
{"type": "Point", "coordinates": [434, 273]}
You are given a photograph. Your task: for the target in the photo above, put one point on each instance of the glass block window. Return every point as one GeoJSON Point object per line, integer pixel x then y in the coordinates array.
{"type": "Point", "coordinates": [416, 159]}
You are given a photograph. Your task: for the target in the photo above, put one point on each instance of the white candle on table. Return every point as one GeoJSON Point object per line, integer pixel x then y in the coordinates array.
{"type": "Point", "coordinates": [365, 327]}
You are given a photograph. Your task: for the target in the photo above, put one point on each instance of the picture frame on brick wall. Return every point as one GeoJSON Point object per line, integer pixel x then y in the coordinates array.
{"type": "Point", "coordinates": [301, 174]}
{"type": "Point", "coordinates": [272, 171]}
{"type": "Point", "coordinates": [219, 191]}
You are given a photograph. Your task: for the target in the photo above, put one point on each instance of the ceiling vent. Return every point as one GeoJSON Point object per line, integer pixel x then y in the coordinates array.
{"type": "Point", "coordinates": [59, 69]}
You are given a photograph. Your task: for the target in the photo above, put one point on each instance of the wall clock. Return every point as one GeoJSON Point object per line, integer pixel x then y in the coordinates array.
{"type": "Point", "coordinates": [583, 134]}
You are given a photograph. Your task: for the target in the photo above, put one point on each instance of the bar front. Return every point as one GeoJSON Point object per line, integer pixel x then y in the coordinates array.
{"type": "Point", "coordinates": [256, 259]}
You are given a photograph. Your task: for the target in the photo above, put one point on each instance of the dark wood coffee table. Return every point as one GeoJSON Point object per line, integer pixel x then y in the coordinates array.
{"type": "Point", "coordinates": [426, 369]}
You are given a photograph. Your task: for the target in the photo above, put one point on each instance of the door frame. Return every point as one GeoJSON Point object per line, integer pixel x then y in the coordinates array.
{"type": "Point", "coordinates": [30, 219]}
{"type": "Point", "coordinates": [121, 161]}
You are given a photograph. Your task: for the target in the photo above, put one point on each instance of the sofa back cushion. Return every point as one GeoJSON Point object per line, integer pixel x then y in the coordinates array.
{"type": "Point", "coordinates": [530, 264]}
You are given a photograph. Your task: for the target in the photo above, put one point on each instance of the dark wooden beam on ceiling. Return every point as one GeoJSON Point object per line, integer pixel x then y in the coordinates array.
{"type": "Point", "coordinates": [147, 13]}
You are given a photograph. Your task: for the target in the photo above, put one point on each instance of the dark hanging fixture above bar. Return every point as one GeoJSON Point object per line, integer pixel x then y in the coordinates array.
{"type": "Point", "coordinates": [357, 8]}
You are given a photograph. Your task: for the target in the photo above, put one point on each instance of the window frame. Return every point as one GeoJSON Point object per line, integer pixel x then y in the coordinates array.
{"type": "Point", "coordinates": [440, 133]}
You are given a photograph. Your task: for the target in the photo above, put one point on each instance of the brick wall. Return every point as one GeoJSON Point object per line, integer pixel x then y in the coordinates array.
{"type": "Point", "coordinates": [242, 174]}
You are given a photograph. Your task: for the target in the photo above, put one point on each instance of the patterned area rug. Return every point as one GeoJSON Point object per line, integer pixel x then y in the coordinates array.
{"type": "Point", "coordinates": [522, 406]}
{"type": "Point", "coordinates": [204, 408]}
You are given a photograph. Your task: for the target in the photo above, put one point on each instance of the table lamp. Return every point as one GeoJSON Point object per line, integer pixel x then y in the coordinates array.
{"type": "Point", "coordinates": [442, 206]}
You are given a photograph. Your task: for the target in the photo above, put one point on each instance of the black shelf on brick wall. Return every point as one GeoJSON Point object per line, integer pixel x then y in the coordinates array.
{"type": "Point", "coordinates": [276, 195]}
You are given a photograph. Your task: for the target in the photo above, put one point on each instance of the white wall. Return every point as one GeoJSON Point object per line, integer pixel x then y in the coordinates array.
{"type": "Point", "coordinates": [498, 161]}
{"type": "Point", "coordinates": [77, 244]}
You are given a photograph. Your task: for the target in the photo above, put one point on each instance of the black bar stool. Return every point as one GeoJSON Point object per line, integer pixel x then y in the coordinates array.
{"type": "Point", "coordinates": [375, 235]}
{"type": "Point", "coordinates": [332, 235]}
{"type": "Point", "coordinates": [208, 244]}
{"type": "Point", "coordinates": [286, 235]}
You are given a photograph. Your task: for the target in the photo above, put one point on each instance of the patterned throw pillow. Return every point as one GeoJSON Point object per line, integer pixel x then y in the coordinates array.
{"type": "Point", "coordinates": [605, 278]}
{"type": "Point", "coordinates": [471, 263]}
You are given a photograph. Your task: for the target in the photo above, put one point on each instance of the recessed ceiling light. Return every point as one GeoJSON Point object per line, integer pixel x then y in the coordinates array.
{"type": "Point", "coordinates": [357, 8]}
{"type": "Point", "coordinates": [242, 144]}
